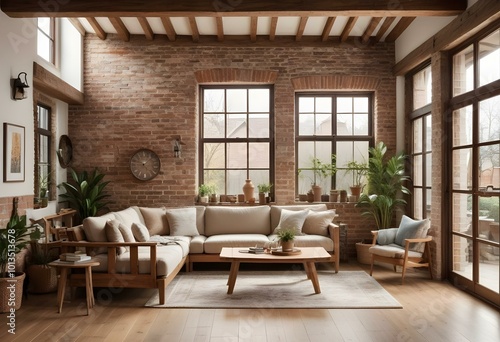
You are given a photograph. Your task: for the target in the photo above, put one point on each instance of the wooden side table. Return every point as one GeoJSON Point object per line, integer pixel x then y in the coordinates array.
{"type": "Point", "coordinates": [64, 267]}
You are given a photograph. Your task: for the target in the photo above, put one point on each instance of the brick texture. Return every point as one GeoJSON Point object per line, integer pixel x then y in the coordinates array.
{"type": "Point", "coordinates": [6, 204]}
{"type": "Point", "coordinates": [141, 93]}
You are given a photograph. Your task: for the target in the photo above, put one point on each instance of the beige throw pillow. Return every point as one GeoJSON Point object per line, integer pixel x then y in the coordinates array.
{"type": "Point", "coordinates": [128, 236]}
{"type": "Point", "coordinates": [290, 219]}
{"type": "Point", "coordinates": [140, 231]}
{"type": "Point", "coordinates": [182, 221]}
{"type": "Point", "coordinates": [113, 234]}
{"type": "Point", "coordinates": [317, 222]}
{"type": "Point", "coordinates": [155, 220]}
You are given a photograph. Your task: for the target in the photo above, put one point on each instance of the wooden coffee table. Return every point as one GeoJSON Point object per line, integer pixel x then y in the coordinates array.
{"type": "Point", "coordinates": [308, 256]}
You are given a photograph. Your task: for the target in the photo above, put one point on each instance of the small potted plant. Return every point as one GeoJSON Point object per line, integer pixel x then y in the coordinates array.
{"type": "Point", "coordinates": [264, 190]}
{"type": "Point", "coordinates": [286, 238]}
{"type": "Point", "coordinates": [359, 171]}
{"type": "Point", "coordinates": [205, 190]}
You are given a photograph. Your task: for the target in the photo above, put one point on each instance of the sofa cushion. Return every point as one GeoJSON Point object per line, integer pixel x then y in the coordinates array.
{"type": "Point", "coordinates": [94, 227]}
{"type": "Point", "coordinates": [291, 220]}
{"type": "Point", "coordinates": [276, 211]}
{"type": "Point", "coordinates": [412, 229]}
{"type": "Point", "coordinates": [200, 219]}
{"type": "Point", "coordinates": [316, 223]}
{"type": "Point", "coordinates": [129, 216]}
{"type": "Point", "coordinates": [182, 221]}
{"type": "Point", "coordinates": [113, 234]}
{"type": "Point", "coordinates": [128, 236]}
{"type": "Point", "coordinates": [237, 220]}
{"type": "Point", "coordinates": [393, 251]}
{"type": "Point", "coordinates": [155, 220]}
{"type": "Point", "coordinates": [214, 243]}
{"type": "Point", "coordinates": [196, 244]}
{"type": "Point", "coordinates": [140, 231]}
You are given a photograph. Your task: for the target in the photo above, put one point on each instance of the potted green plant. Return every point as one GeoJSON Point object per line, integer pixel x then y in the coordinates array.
{"type": "Point", "coordinates": [359, 171]}
{"type": "Point", "coordinates": [386, 178]}
{"type": "Point", "coordinates": [13, 239]}
{"type": "Point", "coordinates": [286, 238]}
{"type": "Point", "coordinates": [321, 173]}
{"type": "Point", "coordinates": [43, 191]}
{"type": "Point", "coordinates": [204, 191]}
{"type": "Point", "coordinates": [264, 190]}
{"type": "Point", "coordinates": [86, 193]}
{"type": "Point", "coordinates": [43, 278]}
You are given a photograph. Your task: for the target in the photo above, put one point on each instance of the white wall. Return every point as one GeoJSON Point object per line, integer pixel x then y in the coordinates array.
{"type": "Point", "coordinates": [17, 53]}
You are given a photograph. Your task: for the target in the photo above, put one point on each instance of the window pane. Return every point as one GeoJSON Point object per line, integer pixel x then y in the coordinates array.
{"type": "Point", "coordinates": [422, 88]}
{"type": "Point", "coordinates": [462, 214]}
{"type": "Point", "coordinates": [43, 117]}
{"type": "Point", "coordinates": [462, 256]}
{"type": "Point", "coordinates": [489, 119]}
{"type": "Point", "coordinates": [323, 124]}
{"type": "Point", "coordinates": [488, 266]}
{"type": "Point", "coordinates": [213, 125]}
{"type": "Point", "coordinates": [306, 104]}
{"type": "Point", "coordinates": [344, 124]}
{"type": "Point", "coordinates": [489, 166]}
{"type": "Point", "coordinates": [235, 181]}
{"type": "Point", "coordinates": [463, 71]}
{"type": "Point", "coordinates": [489, 218]}
{"type": "Point", "coordinates": [258, 156]}
{"type": "Point", "coordinates": [417, 203]}
{"type": "Point", "coordinates": [360, 151]}
{"type": "Point", "coordinates": [258, 100]}
{"type": "Point", "coordinates": [344, 105]}
{"type": "Point", "coordinates": [462, 126]}
{"type": "Point", "coordinates": [489, 58]}
{"type": "Point", "coordinates": [323, 105]}
{"type": "Point", "coordinates": [428, 203]}
{"type": "Point", "coordinates": [44, 25]}
{"type": "Point", "coordinates": [236, 125]}
{"type": "Point", "coordinates": [344, 153]}
{"type": "Point", "coordinates": [236, 155]}
{"type": "Point", "coordinates": [258, 125]}
{"type": "Point", "coordinates": [360, 124]}
{"type": "Point", "coordinates": [428, 133]}
{"type": "Point", "coordinates": [417, 135]}
{"type": "Point", "coordinates": [259, 177]}
{"type": "Point", "coordinates": [236, 100]}
{"type": "Point", "coordinates": [306, 124]}
{"type": "Point", "coordinates": [44, 149]}
{"type": "Point", "coordinates": [215, 178]}
{"type": "Point", "coordinates": [305, 154]}
{"type": "Point", "coordinates": [428, 169]}
{"type": "Point", "coordinates": [417, 170]}
{"type": "Point", "coordinates": [361, 105]}
{"type": "Point", "coordinates": [213, 155]}
{"type": "Point", "coordinates": [462, 169]}
{"type": "Point", "coordinates": [44, 46]}
{"type": "Point", "coordinates": [213, 100]}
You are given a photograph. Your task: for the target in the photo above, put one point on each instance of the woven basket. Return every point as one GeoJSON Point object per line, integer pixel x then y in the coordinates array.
{"type": "Point", "coordinates": [364, 257]}
{"type": "Point", "coordinates": [42, 279]}
{"type": "Point", "coordinates": [6, 295]}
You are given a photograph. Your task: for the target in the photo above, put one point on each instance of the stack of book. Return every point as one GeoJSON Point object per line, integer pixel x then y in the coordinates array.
{"type": "Point", "coordinates": [256, 250]}
{"type": "Point", "coordinates": [74, 257]}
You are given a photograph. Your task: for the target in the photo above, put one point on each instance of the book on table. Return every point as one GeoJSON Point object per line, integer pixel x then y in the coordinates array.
{"type": "Point", "coordinates": [74, 257]}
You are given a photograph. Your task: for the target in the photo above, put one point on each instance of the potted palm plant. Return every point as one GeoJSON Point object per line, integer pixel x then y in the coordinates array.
{"type": "Point", "coordinates": [13, 239]}
{"type": "Point", "coordinates": [86, 193]}
{"type": "Point", "coordinates": [386, 179]}
{"type": "Point", "coordinates": [264, 190]}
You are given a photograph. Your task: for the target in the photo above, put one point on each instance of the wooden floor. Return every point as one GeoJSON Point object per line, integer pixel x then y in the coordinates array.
{"type": "Point", "coordinates": [432, 311]}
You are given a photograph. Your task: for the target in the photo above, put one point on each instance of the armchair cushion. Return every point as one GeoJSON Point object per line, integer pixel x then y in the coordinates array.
{"type": "Point", "coordinates": [386, 236]}
{"type": "Point", "coordinates": [412, 229]}
{"type": "Point", "coordinates": [393, 251]}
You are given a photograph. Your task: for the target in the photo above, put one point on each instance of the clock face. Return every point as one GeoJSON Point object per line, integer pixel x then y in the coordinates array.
{"type": "Point", "coordinates": [145, 164]}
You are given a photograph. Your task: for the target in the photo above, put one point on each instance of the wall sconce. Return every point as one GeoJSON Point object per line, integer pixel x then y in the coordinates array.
{"type": "Point", "coordinates": [18, 86]}
{"type": "Point", "coordinates": [177, 145]}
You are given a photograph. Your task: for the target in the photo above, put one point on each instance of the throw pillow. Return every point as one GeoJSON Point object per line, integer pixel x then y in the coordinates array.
{"type": "Point", "coordinates": [140, 231]}
{"type": "Point", "coordinates": [317, 222]}
{"type": "Point", "coordinates": [182, 221]}
{"type": "Point", "coordinates": [290, 219]}
{"type": "Point", "coordinates": [113, 234]}
{"type": "Point", "coordinates": [155, 220]}
{"type": "Point", "coordinates": [412, 229]}
{"type": "Point", "coordinates": [128, 236]}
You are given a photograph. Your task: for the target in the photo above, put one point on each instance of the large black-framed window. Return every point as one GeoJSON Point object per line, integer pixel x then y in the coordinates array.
{"type": "Point", "coordinates": [43, 138]}
{"type": "Point", "coordinates": [331, 123]}
{"type": "Point", "coordinates": [236, 136]}
{"type": "Point", "coordinates": [420, 83]}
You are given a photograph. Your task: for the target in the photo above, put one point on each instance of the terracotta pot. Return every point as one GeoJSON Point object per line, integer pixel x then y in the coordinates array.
{"type": "Point", "coordinates": [334, 195]}
{"type": "Point", "coordinates": [310, 197]}
{"type": "Point", "coordinates": [248, 190]}
{"type": "Point", "coordinates": [325, 198]}
{"type": "Point", "coordinates": [317, 193]}
{"type": "Point", "coordinates": [287, 246]}
{"type": "Point", "coordinates": [356, 191]}
{"type": "Point", "coordinates": [262, 198]}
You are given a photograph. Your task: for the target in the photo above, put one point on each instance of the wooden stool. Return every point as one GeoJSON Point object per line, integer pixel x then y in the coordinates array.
{"type": "Point", "coordinates": [64, 267]}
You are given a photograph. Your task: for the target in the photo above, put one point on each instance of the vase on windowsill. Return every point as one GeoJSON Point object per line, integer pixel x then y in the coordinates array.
{"type": "Point", "coordinates": [248, 190]}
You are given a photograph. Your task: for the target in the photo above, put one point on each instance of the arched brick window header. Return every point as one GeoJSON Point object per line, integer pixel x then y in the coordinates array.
{"type": "Point", "coordinates": [233, 75]}
{"type": "Point", "coordinates": [335, 82]}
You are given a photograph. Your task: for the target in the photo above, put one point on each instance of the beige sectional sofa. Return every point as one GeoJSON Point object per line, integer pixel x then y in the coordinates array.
{"type": "Point", "coordinates": [147, 247]}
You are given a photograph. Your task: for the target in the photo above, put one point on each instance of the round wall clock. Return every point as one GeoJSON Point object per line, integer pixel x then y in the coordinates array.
{"type": "Point", "coordinates": [65, 151]}
{"type": "Point", "coordinates": [145, 164]}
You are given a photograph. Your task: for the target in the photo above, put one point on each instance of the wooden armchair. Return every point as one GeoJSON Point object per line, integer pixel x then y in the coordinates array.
{"type": "Point", "coordinates": [414, 253]}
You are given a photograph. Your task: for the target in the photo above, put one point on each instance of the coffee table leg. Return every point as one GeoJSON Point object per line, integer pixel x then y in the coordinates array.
{"type": "Point", "coordinates": [308, 271]}
{"type": "Point", "coordinates": [313, 275]}
{"type": "Point", "coordinates": [62, 287]}
{"type": "Point", "coordinates": [235, 265]}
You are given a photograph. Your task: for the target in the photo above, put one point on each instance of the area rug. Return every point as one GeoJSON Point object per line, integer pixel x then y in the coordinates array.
{"type": "Point", "coordinates": [272, 289]}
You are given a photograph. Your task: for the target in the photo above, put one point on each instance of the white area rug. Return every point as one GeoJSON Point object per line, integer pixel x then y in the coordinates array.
{"type": "Point", "coordinates": [275, 289]}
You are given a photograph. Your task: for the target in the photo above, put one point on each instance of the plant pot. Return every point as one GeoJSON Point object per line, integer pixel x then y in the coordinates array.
{"type": "Point", "coordinates": [364, 257]}
{"type": "Point", "coordinates": [343, 196]}
{"type": "Point", "coordinates": [42, 279]}
{"type": "Point", "coordinates": [262, 198]}
{"type": "Point", "coordinates": [325, 198]}
{"type": "Point", "coordinates": [11, 297]}
{"type": "Point", "coordinates": [317, 193]}
{"type": "Point", "coordinates": [310, 197]}
{"type": "Point", "coordinates": [203, 199]}
{"type": "Point", "coordinates": [213, 198]}
{"type": "Point", "coordinates": [334, 196]}
{"type": "Point", "coordinates": [287, 246]}
{"type": "Point", "coordinates": [356, 191]}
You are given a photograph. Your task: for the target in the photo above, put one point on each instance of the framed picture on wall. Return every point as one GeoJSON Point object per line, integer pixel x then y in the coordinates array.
{"type": "Point", "coordinates": [13, 153]}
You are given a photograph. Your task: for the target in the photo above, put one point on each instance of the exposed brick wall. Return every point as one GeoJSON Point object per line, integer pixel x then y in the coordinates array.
{"type": "Point", "coordinates": [141, 93]}
{"type": "Point", "coordinates": [6, 204]}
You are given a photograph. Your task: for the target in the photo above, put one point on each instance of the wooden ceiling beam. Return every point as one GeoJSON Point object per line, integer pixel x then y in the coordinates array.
{"type": "Point", "coordinates": [97, 28]}
{"type": "Point", "coordinates": [369, 30]}
{"type": "Point", "coordinates": [402, 25]}
{"type": "Point", "coordinates": [253, 29]}
{"type": "Point", "coordinates": [148, 31]}
{"type": "Point", "coordinates": [51, 85]}
{"type": "Point", "coordinates": [269, 8]}
{"type": "Point", "coordinates": [77, 25]}
{"type": "Point", "coordinates": [169, 28]}
{"type": "Point", "coordinates": [383, 29]}
{"type": "Point", "coordinates": [348, 28]}
{"type": "Point", "coordinates": [272, 29]}
{"type": "Point", "coordinates": [327, 29]}
{"type": "Point", "coordinates": [220, 29]}
{"type": "Point", "coordinates": [300, 30]}
{"type": "Point", "coordinates": [120, 28]}
{"type": "Point", "coordinates": [194, 29]}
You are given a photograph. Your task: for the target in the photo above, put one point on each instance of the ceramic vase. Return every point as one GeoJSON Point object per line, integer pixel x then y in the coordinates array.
{"type": "Point", "coordinates": [317, 193]}
{"type": "Point", "coordinates": [248, 190]}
